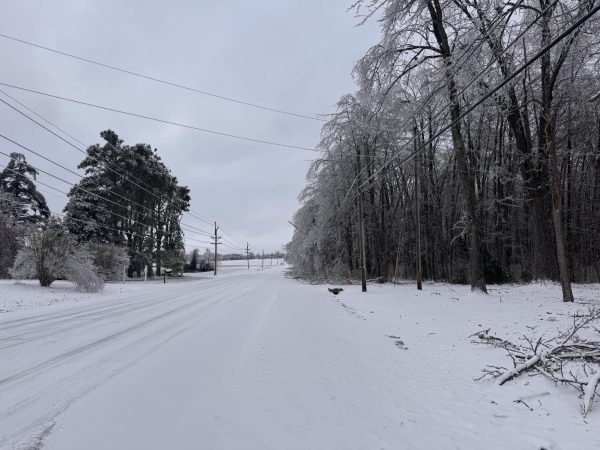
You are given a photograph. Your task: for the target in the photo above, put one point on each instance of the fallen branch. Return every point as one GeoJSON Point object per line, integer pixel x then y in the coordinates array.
{"type": "Point", "coordinates": [589, 392]}
{"type": "Point", "coordinates": [563, 359]}
{"type": "Point", "coordinates": [531, 362]}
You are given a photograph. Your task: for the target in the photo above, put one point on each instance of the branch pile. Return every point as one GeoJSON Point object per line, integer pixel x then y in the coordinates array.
{"type": "Point", "coordinates": [566, 358]}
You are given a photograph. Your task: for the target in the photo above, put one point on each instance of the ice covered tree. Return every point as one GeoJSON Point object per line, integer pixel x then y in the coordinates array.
{"type": "Point", "coordinates": [11, 232]}
{"type": "Point", "coordinates": [515, 173]}
{"type": "Point", "coordinates": [50, 253]}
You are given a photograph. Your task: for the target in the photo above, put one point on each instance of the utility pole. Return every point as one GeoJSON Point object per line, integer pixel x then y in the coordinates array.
{"type": "Point", "coordinates": [361, 226]}
{"type": "Point", "coordinates": [262, 261]}
{"type": "Point", "coordinates": [248, 254]}
{"type": "Point", "coordinates": [417, 215]}
{"type": "Point", "coordinates": [216, 238]}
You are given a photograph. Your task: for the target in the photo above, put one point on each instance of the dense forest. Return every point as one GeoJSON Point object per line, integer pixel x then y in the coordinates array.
{"type": "Point", "coordinates": [505, 190]}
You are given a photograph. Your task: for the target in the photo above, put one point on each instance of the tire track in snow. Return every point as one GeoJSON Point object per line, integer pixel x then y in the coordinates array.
{"type": "Point", "coordinates": [110, 311]}
{"type": "Point", "coordinates": [148, 334]}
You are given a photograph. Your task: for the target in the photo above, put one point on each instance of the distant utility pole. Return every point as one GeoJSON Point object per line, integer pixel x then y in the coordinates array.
{"type": "Point", "coordinates": [248, 254]}
{"type": "Point", "coordinates": [262, 261]}
{"type": "Point", "coordinates": [216, 238]}
{"type": "Point", "coordinates": [417, 215]}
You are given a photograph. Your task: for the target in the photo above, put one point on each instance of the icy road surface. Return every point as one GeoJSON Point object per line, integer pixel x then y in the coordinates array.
{"type": "Point", "coordinates": [251, 360]}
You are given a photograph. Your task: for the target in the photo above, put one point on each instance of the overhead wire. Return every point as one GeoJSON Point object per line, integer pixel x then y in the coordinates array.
{"type": "Point", "coordinates": [188, 228]}
{"type": "Point", "coordinates": [159, 80]}
{"type": "Point", "coordinates": [95, 224]}
{"type": "Point", "coordinates": [118, 171]}
{"type": "Point", "coordinates": [185, 227]}
{"type": "Point", "coordinates": [95, 205]}
{"type": "Point", "coordinates": [156, 119]}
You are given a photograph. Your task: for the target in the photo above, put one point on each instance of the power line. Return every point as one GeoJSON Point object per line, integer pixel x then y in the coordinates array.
{"type": "Point", "coordinates": [94, 224]}
{"type": "Point", "coordinates": [159, 80]}
{"type": "Point", "coordinates": [95, 205]}
{"type": "Point", "coordinates": [113, 168]}
{"type": "Point", "coordinates": [232, 238]}
{"type": "Point", "coordinates": [156, 119]}
{"type": "Point", "coordinates": [109, 165]}
{"type": "Point", "coordinates": [184, 226]}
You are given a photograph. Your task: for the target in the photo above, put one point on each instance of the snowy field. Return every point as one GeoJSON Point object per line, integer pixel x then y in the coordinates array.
{"type": "Point", "coordinates": [253, 360]}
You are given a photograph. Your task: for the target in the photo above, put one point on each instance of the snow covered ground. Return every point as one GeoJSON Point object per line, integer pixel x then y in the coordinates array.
{"type": "Point", "coordinates": [253, 360]}
{"type": "Point", "coordinates": [27, 294]}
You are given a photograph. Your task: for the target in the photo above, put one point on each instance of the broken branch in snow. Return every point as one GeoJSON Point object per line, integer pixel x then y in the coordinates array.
{"type": "Point", "coordinates": [566, 352]}
{"type": "Point", "coordinates": [589, 392]}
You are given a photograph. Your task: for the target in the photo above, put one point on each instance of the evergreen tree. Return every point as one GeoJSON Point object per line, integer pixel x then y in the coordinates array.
{"type": "Point", "coordinates": [17, 181]}
{"type": "Point", "coordinates": [128, 197]}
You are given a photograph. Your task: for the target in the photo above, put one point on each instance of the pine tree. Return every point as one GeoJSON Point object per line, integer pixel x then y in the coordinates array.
{"type": "Point", "coordinates": [17, 181]}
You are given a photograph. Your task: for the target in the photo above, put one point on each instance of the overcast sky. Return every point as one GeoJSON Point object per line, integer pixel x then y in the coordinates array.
{"type": "Point", "coordinates": [291, 55]}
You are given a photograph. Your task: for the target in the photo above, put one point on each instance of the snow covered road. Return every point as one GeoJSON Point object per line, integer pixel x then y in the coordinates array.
{"type": "Point", "coordinates": [52, 356]}
{"type": "Point", "coordinates": [251, 360]}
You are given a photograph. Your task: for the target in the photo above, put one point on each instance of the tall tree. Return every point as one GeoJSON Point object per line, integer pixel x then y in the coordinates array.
{"type": "Point", "coordinates": [128, 196]}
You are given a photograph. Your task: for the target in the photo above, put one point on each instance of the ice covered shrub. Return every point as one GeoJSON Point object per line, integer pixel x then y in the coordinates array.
{"type": "Point", "coordinates": [50, 253]}
{"type": "Point", "coordinates": [80, 271]}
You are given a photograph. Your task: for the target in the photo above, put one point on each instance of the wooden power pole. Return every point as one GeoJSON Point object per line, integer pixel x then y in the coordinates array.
{"type": "Point", "coordinates": [361, 226]}
{"type": "Point", "coordinates": [417, 216]}
{"type": "Point", "coordinates": [216, 238]}
{"type": "Point", "coordinates": [248, 254]}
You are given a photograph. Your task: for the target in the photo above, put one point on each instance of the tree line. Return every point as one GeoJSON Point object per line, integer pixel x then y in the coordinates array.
{"type": "Point", "coordinates": [508, 192]}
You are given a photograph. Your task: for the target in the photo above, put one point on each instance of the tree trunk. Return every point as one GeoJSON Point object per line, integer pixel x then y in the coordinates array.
{"type": "Point", "coordinates": [549, 139]}
{"type": "Point", "coordinates": [467, 186]}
